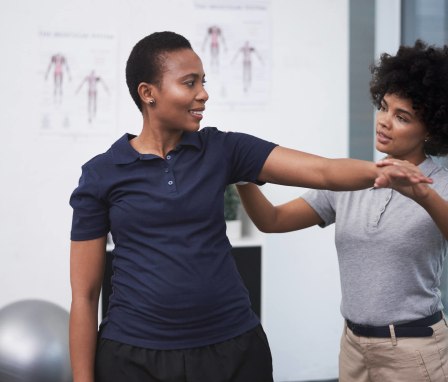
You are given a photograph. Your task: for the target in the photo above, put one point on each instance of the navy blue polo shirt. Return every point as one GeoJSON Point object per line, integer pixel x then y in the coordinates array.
{"type": "Point", "coordinates": [175, 283]}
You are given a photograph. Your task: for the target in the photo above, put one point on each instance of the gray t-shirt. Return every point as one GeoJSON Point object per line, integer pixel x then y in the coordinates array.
{"type": "Point", "coordinates": [390, 251]}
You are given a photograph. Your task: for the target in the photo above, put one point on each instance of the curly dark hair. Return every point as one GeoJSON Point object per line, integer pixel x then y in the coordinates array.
{"type": "Point", "coordinates": [419, 73]}
{"type": "Point", "coordinates": [145, 63]}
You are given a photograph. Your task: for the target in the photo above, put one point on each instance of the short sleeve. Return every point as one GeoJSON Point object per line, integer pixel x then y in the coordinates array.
{"type": "Point", "coordinates": [247, 155]}
{"type": "Point", "coordinates": [90, 212]}
{"type": "Point", "coordinates": [323, 202]}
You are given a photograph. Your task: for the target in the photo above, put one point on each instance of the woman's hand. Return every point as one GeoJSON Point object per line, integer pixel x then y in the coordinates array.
{"type": "Point", "coordinates": [407, 179]}
{"type": "Point", "coordinates": [404, 177]}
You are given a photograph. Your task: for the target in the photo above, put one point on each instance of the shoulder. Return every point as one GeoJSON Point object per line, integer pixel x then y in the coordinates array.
{"type": "Point", "coordinates": [440, 178]}
{"type": "Point", "coordinates": [110, 157]}
{"type": "Point", "coordinates": [214, 134]}
{"type": "Point", "coordinates": [210, 132]}
{"type": "Point", "coordinates": [98, 161]}
{"type": "Point", "coordinates": [435, 169]}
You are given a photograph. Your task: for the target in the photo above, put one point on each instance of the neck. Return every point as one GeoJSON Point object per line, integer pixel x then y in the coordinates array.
{"type": "Point", "coordinates": [156, 141]}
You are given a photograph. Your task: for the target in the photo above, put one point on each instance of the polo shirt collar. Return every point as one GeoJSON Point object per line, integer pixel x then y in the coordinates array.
{"type": "Point", "coordinates": [190, 139]}
{"type": "Point", "coordinates": [428, 166]}
{"type": "Point", "coordinates": [124, 153]}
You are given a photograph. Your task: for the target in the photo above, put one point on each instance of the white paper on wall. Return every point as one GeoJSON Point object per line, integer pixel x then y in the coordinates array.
{"type": "Point", "coordinates": [77, 74]}
{"type": "Point", "coordinates": [233, 40]}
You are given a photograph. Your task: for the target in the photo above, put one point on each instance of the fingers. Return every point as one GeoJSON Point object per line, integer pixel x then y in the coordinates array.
{"type": "Point", "coordinates": [392, 162]}
{"type": "Point", "coordinates": [381, 182]}
{"type": "Point", "coordinates": [398, 167]}
{"type": "Point", "coordinates": [399, 173]}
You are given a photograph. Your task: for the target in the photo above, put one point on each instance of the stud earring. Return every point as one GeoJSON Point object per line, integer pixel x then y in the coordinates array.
{"type": "Point", "coordinates": [152, 101]}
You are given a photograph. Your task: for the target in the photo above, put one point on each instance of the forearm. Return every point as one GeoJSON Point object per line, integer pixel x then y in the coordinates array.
{"type": "Point", "coordinates": [349, 174]}
{"type": "Point", "coordinates": [294, 215]}
{"type": "Point", "coordinates": [295, 168]}
{"type": "Point", "coordinates": [258, 207]}
{"type": "Point", "coordinates": [83, 337]}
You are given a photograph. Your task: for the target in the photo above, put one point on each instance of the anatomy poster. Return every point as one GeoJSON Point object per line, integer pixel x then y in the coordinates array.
{"type": "Point", "coordinates": [233, 40]}
{"type": "Point", "coordinates": [77, 73]}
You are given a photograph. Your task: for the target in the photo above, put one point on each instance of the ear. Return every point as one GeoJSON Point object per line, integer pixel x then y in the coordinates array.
{"type": "Point", "coordinates": [145, 91]}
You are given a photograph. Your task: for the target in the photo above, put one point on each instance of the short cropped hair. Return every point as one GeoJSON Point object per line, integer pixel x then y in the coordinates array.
{"type": "Point", "coordinates": [145, 62]}
{"type": "Point", "coordinates": [419, 73]}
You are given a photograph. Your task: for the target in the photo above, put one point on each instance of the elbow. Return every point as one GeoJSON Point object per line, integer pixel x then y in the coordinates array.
{"type": "Point", "coordinates": [265, 228]}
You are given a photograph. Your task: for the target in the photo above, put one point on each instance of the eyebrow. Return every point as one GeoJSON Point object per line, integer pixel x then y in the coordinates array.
{"type": "Point", "coordinates": [194, 75]}
{"type": "Point", "coordinates": [400, 110]}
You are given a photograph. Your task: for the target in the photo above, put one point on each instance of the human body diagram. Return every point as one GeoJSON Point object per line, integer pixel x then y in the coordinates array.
{"type": "Point", "coordinates": [59, 64]}
{"type": "Point", "coordinates": [247, 51]}
{"type": "Point", "coordinates": [215, 37]}
{"type": "Point", "coordinates": [92, 80]}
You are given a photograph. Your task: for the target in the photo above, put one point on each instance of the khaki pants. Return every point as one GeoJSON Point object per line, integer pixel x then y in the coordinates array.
{"type": "Point", "coordinates": [403, 359]}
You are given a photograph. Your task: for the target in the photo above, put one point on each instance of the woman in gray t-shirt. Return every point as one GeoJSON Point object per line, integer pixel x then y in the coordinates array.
{"type": "Point", "coordinates": [391, 243]}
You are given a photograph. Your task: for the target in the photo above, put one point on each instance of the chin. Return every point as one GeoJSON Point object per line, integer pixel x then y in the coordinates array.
{"type": "Point", "coordinates": [381, 149]}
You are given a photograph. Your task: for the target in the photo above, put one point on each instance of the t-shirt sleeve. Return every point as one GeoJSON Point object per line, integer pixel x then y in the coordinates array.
{"type": "Point", "coordinates": [322, 201]}
{"type": "Point", "coordinates": [90, 212]}
{"type": "Point", "coordinates": [247, 155]}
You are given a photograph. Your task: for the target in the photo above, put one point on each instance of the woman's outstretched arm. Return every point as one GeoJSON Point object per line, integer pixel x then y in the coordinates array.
{"type": "Point", "coordinates": [296, 168]}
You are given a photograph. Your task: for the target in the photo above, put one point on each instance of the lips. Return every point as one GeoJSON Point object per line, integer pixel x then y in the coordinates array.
{"type": "Point", "coordinates": [197, 113]}
{"type": "Point", "coordinates": [382, 138]}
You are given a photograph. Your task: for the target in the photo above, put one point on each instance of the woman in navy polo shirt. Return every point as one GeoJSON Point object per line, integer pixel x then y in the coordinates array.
{"type": "Point", "coordinates": [179, 310]}
{"type": "Point", "coordinates": [391, 243]}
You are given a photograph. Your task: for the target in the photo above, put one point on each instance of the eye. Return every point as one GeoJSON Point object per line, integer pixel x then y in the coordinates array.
{"type": "Point", "coordinates": [189, 83]}
{"type": "Point", "coordinates": [402, 119]}
{"type": "Point", "coordinates": [382, 107]}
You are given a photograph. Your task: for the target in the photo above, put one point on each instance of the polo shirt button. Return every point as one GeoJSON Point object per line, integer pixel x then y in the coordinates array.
{"type": "Point", "coordinates": [168, 157]}
{"type": "Point", "coordinates": [170, 182]}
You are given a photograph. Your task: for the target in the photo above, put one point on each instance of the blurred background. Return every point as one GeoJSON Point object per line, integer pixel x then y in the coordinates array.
{"type": "Point", "coordinates": [63, 99]}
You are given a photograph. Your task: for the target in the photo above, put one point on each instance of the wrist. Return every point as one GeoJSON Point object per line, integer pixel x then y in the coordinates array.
{"type": "Point", "coordinates": [426, 198]}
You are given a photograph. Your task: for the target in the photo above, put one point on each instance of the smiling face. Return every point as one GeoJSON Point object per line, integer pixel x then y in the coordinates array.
{"type": "Point", "coordinates": [400, 133]}
{"type": "Point", "coordinates": [180, 98]}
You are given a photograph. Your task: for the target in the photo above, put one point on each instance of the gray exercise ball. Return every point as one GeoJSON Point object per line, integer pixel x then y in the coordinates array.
{"type": "Point", "coordinates": [34, 342]}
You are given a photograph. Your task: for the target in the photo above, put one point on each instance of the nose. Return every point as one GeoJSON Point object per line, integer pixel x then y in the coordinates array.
{"type": "Point", "coordinates": [202, 95]}
{"type": "Point", "coordinates": [383, 119]}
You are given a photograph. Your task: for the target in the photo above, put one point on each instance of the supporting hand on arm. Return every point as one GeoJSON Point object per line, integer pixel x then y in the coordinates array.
{"type": "Point", "coordinates": [421, 193]}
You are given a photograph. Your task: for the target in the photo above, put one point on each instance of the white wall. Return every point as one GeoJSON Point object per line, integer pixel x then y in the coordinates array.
{"type": "Point", "coordinates": [387, 34]}
{"type": "Point", "coordinates": [307, 110]}
{"type": "Point", "coordinates": [301, 281]}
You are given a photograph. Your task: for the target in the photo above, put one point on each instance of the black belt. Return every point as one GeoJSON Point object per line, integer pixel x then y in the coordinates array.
{"type": "Point", "coordinates": [417, 328]}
